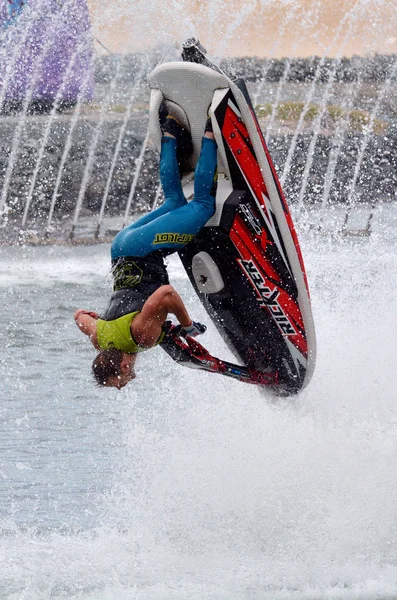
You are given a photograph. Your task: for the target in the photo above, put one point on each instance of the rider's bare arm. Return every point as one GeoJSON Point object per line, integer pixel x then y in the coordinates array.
{"type": "Point", "coordinates": [86, 322]}
{"type": "Point", "coordinates": [146, 327]}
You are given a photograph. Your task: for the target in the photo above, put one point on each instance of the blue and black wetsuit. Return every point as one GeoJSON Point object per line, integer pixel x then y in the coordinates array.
{"type": "Point", "coordinates": [176, 222]}
{"type": "Point", "coordinates": [138, 250]}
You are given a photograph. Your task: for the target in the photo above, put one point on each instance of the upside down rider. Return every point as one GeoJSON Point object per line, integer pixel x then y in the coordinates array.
{"type": "Point", "coordinates": [142, 296]}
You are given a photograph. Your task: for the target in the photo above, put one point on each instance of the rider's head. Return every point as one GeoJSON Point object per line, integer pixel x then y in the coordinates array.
{"type": "Point", "coordinates": [113, 368]}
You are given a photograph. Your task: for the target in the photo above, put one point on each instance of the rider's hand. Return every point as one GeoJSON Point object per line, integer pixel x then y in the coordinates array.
{"type": "Point", "coordinates": [193, 330]}
{"type": "Point", "coordinates": [91, 313]}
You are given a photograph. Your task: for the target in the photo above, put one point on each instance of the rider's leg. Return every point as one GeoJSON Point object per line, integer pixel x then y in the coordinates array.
{"type": "Point", "coordinates": [172, 188]}
{"type": "Point", "coordinates": [172, 230]}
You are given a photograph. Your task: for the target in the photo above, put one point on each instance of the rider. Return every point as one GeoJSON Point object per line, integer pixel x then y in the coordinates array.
{"type": "Point", "coordinates": [142, 296]}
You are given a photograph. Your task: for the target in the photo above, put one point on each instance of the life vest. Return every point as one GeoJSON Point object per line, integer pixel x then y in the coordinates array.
{"type": "Point", "coordinates": [135, 280]}
{"type": "Point", "coordinates": [117, 334]}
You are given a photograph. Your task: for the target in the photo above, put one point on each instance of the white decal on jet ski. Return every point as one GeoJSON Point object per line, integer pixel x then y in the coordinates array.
{"type": "Point", "coordinates": [268, 297]}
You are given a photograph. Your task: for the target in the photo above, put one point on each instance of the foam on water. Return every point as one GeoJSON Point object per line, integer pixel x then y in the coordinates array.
{"type": "Point", "coordinates": [219, 493]}
{"type": "Point", "coordinates": [31, 265]}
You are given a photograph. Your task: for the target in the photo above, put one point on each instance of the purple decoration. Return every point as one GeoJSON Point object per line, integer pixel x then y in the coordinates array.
{"type": "Point", "coordinates": [45, 51]}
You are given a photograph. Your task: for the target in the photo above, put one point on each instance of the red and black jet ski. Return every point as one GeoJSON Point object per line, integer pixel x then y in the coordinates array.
{"type": "Point", "coordinates": [245, 265]}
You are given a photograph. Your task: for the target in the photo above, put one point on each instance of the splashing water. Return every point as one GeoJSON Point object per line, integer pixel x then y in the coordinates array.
{"type": "Point", "coordinates": [185, 485]}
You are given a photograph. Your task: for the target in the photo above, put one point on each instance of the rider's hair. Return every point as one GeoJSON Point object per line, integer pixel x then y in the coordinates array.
{"type": "Point", "coordinates": [107, 364]}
